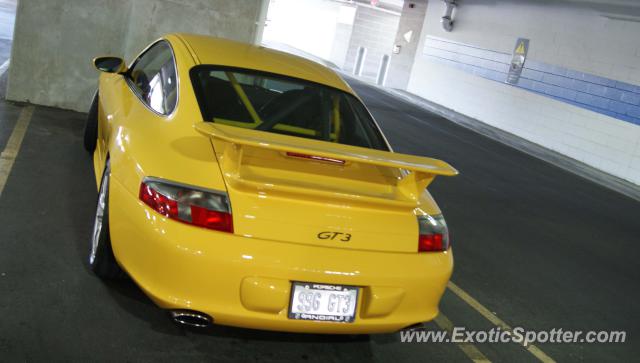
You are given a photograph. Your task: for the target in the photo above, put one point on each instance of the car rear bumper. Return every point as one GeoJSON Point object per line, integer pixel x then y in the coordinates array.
{"type": "Point", "coordinates": [245, 282]}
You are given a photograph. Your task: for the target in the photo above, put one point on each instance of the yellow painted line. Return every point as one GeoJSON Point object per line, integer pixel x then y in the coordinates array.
{"type": "Point", "coordinates": [468, 349]}
{"type": "Point", "coordinates": [487, 314]}
{"type": "Point", "coordinates": [10, 152]}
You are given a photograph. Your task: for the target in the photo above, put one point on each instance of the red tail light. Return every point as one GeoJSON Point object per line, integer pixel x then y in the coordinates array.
{"type": "Point", "coordinates": [202, 208]}
{"type": "Point", "coordinates": [434, 234]}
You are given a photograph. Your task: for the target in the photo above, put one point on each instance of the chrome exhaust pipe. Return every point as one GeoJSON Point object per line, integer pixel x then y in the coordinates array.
{"type": "Point", "coordinates": [191, 318]}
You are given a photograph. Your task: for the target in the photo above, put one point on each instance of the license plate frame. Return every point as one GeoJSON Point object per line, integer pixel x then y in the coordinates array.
{"type": "Point", "coordinates": [323, 289]}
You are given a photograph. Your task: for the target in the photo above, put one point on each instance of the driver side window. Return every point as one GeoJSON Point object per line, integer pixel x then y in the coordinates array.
{"type": "Point", "coordinates": [153, 77]}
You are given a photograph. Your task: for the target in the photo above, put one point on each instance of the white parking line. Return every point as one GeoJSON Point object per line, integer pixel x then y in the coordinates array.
{"type": "Point", "coordinates": [487, 314]}
{"type": "Point", "coordinates": [4, 67]}
{"type": "Point", "coordinates": [10, 152]}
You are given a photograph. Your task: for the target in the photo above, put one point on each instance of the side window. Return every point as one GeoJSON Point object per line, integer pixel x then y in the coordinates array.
{"type": "Point", "coordinates": [154, 78]}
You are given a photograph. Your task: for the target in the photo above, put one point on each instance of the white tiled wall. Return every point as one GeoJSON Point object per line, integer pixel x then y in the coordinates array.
{"type": "Point", "coordinates": [572, 37]}
{"type": "Point", "coordinates": [374, 30]}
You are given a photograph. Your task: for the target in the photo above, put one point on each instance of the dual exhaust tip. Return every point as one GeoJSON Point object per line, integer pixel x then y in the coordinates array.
{"type": "Point", "coordinates": [191, 318]}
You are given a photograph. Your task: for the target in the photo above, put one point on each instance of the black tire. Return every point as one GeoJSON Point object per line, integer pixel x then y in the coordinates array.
{"type": "Point", "coordinates": [91, 126]}
{"type": "Point", "coordinates": [101, 259]}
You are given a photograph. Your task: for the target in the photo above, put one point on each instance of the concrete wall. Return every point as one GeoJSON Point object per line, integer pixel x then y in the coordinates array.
{"type": "Point", "coordinates": [55, 40]}
{"type": "Point", "coordinates": [411, 21]}
{"type": "Point", "coordinates": [375, 30]}
{"type": "Point", "coordinates": [321, 28]}
{"type": "Point", "coordinates": [342, 38]}
{"type": "Point", "coordinates": [586, 65]}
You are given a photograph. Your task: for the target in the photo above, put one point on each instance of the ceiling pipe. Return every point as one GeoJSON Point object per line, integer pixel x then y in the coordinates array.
{"type": "Point", "coordinates": [447, 18]}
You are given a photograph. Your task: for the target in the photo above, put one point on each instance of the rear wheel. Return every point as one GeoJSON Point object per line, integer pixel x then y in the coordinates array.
{"type": "Point", "coordinates": [91, 126]}
{"type": "Point", "coordinates": [101, 259]}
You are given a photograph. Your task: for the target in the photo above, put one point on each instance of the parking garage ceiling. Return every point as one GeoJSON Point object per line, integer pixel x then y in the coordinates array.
{"type": "Point", "coordinates": [618, 9]}
{"type": "Point", "coordinates": [628, 10]}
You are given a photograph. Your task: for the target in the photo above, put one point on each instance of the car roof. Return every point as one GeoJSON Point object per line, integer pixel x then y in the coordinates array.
{"type": "Point", "coordinates": [225, 52]}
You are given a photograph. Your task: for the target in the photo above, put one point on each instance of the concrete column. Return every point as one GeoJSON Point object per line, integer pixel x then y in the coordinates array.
{"type": "Point", "coordinates": [150, 19]}
{"type": "Point", "coordinates": [55, 40]}
{"type": "Point", "coordinates": [261, 22]}
{"type": "Point", "coordinates": [406, 43]}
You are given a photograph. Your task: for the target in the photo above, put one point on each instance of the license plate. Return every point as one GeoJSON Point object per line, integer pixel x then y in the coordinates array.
{"type": "Point", "coordinates": [310, 301]}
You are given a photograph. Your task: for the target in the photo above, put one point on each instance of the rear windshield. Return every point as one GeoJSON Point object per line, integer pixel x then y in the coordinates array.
{"type": "Point", "coordinates": [283, 105]}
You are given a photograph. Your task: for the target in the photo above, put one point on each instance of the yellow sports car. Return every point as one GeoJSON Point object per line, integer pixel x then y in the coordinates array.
{"type": "Point", "coordinates": [243, 186]}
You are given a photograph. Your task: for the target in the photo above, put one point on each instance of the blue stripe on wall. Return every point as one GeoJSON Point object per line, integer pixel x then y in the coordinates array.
{"type": "Point", "coordinates": [602, 95]}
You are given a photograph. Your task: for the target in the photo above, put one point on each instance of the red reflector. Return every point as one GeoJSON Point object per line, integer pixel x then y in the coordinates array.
{"type": "Point", "coordinates": [430, 243]}
{"type": "Point", "coordinates": [315, 157]}
{"type": "Point", "coordinates": [220, 221]}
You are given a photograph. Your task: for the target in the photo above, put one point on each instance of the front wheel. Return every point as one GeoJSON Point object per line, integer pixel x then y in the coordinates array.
{"type": "Point", "coordinates": [101, 259]}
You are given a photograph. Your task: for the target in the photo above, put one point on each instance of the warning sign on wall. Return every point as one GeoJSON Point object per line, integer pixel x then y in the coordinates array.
{"type": "Point", "coordinates": [517, 61]}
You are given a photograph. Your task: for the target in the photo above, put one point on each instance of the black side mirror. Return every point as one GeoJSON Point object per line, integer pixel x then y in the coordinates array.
{"type": "Point", "coordinates": [109, 64]}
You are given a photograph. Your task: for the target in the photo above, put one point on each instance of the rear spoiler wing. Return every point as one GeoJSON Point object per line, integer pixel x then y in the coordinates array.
{"type": "Point", "coordinates": [422, 170]}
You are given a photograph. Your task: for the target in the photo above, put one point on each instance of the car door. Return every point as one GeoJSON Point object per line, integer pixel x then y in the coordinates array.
{"type": "Point", "coordinates": [112, 94]}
